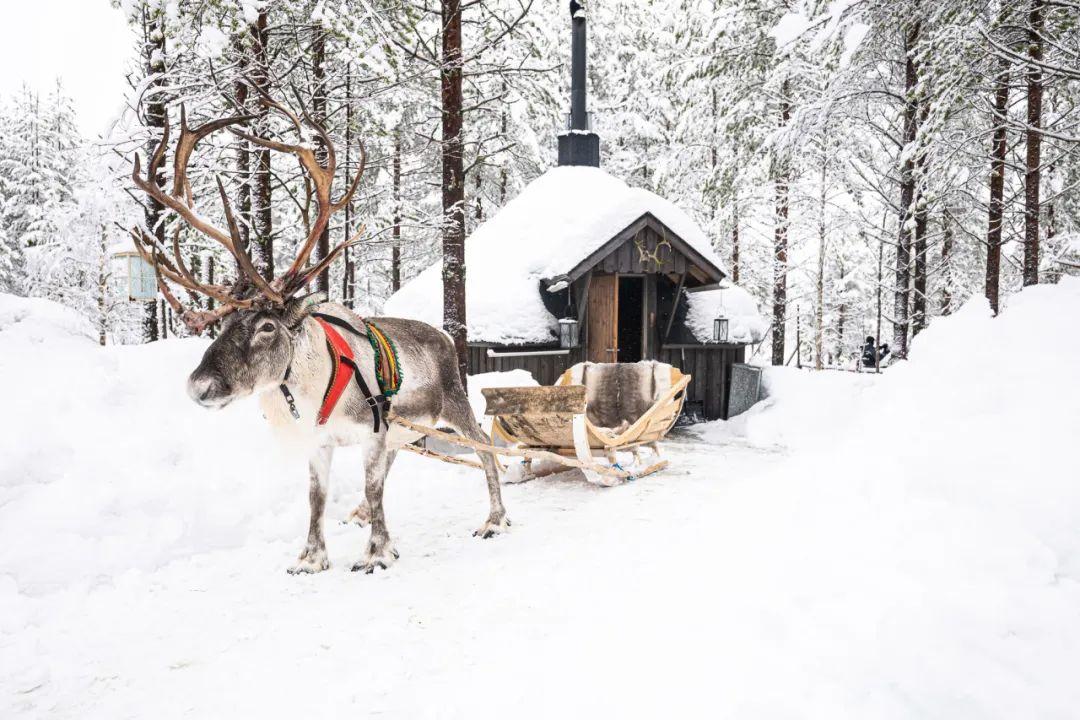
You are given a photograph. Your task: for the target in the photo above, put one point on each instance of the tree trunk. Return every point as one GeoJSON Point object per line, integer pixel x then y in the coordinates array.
{"type": "Point", "coordinates": [780, 247]}
{"type": "Point", "coordinates": [243, 154]}
{"type": "Point", "coordinates": [395, 252]}
{"type": "Point", "coordinates": [453, 185]}
{"type": "Point", "coordinates": [346, 230]}
{"type": "Point", "coordinates": [477, 182]}
{"type": "Point", "coordinates": [946, 264]}
{"type": "Point", "coordinates": [1053, 273]}
{"type": "Point", "coordinates": [997, 186]}
{"type": "Point", "coordinates": [735, 249]}
{"type": "Point", "coordinates": [880, 278]}
{"type": "Point", "coordinates": [841, 317]}
{"type": "Point", "coordinates": [1034, 144]}
{"type": "Point", "coordinates": [819, 309]}
{"type": "Point", "coordinates": [154, 27]}
{"type": "Point", "coordinates": [918, 299]}
{"type": "Point", "coordinates": [318, 107]}
{"type": "Point", "coordinates": [919, 279]}
{"type": "Point", "coordinates": [902, 292]}
{"type": "Point", "coordinates": [262, 194]}
{"type": "Point", "coordinates": [210, 300]}
{"type": "Point", "coordinates": [103, 286]}
{"type": "Point", "coordinates": [503, 174]}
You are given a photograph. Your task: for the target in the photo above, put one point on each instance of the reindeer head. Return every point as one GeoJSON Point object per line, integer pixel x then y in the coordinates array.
{"type": "Point", "coordinates": [251, 354]}
{"type": "Point", "coordinates": [261, 316]}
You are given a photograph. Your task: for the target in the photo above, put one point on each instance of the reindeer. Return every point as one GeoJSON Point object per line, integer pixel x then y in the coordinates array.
{"type": "Point", "coordinates": [273, 342]}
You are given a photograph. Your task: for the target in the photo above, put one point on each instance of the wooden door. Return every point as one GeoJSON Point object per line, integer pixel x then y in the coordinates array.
{"type": "Point", "coordinates": [603, 322]}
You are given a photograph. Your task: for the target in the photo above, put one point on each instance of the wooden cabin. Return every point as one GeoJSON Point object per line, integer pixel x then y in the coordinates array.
{"type": "Point", "coordinates": [580, 266]}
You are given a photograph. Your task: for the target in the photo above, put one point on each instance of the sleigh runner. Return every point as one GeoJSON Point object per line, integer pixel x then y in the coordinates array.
{"type": "Point", "coordinates": [594, 412]}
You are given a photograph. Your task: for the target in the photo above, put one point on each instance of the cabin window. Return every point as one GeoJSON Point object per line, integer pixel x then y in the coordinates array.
{"type": "Point", "coordinates": [631, 321]}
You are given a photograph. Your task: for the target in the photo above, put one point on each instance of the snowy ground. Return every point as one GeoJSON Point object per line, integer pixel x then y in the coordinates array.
{"type": "Point", "coordinates": [856, 547]}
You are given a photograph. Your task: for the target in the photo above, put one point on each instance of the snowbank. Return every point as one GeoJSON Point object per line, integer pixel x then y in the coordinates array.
{"type": "Point", "coordinates": [561, 217]}
{"type": "Point", "coordinates": [33, 321]}
{"type": "Point", "coordinates": [927, 517]}
{"type": "Point", "coordinates": [108, 465]}
{"type": "Point", "coordinates": [856, 546]}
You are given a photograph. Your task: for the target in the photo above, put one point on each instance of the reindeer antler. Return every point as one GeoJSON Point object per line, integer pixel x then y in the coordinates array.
{"type": "Point", "coordinates": [321, 177]}
{"type": "Point", "coordinates": [180, 201]}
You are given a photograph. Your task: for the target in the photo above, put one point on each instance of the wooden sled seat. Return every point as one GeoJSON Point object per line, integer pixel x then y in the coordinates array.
{"type": "Point", "coordinates": [593, 409]}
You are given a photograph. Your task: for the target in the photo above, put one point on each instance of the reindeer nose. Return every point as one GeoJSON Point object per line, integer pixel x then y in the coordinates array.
{"type": "Point", "coordinates": [207, 390]}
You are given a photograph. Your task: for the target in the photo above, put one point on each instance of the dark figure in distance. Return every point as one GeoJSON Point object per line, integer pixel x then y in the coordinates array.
{"type": "Point", "coordinates": [872, 353]}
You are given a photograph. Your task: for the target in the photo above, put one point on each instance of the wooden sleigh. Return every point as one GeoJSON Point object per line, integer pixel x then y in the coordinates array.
{"type": "Point", "coordinates": [594, 412]}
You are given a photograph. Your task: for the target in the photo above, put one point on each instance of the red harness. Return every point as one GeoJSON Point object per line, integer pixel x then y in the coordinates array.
{"type": "Point", "coordinates": [340, 352]}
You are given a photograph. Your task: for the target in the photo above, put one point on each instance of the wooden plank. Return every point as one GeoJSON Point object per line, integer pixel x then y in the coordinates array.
{"type": "Point", "coordinates": [603, 318]}
{"type": "Point", "coordinates": [714, 367]}
{"type": "Point", "coordinates": [582, 287]}
{"type": "Point", "coordinates": [674, 307]}
{"type": "Point", "coordinates": [543, 400]}
{"type": "Point", "coordinates": [700, 371]}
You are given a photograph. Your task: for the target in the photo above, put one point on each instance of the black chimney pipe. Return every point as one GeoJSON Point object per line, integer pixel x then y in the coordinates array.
{"type": "Point", "coordinates": [578, 145]}
{"type": "Point", "coordinates": [579, 117]}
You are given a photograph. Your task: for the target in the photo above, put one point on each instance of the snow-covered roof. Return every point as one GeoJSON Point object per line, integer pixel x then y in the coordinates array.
{"type": "Point", "coordinates": [557, 220]}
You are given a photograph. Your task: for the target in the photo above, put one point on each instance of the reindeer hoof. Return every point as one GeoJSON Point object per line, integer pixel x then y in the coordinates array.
{"type": "Point", "coordinates": [382, 560]}
{"type": "Point", "coordinates": [310, 562]}
{"type": "Point", "coordinates": [492, 528]}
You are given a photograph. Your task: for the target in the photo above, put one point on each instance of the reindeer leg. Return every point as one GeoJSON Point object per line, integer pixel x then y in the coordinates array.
{"type": "Point", "coordinates": [360, 515]}
{"type": "Point", "coordinates": [380, 551]}
{"type": "Point", "coordinates": [313, 558]}
{"type": "Point", "coordinates": [459, 415]}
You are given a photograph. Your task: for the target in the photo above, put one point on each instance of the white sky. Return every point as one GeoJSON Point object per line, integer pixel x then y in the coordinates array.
{"type": "Point", "coordinates": [86, 43]}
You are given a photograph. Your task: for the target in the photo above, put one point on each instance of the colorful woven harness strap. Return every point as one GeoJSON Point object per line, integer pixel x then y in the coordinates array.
{"type": "Point", "coordinates": [387, 370]}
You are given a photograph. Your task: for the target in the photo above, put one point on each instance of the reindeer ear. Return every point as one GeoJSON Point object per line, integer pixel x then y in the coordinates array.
{"type": "Point", "coordinates": [299, 308]}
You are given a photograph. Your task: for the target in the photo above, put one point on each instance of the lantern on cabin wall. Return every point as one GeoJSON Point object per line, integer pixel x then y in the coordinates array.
{"type": "Point", "coordinates": [720, 323]}
{"type": "Point", "coordinates": [720, 329]}
{"type": "Point", "coordinates": [568, 333]}
{"type": "Point", "coordinates": [137, 274]}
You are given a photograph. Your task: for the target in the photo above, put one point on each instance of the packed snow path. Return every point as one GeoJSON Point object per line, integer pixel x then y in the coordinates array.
{"type": "Point", "coordinates": [889, 547]}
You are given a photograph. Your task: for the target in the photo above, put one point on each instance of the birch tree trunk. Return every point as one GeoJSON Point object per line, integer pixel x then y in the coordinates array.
{"type": "Point", "coordinates": [780, 239]}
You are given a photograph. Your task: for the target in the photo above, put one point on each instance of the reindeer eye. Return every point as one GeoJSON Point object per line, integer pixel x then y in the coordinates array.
{"type": "Point", "coordinates": [267, 327]}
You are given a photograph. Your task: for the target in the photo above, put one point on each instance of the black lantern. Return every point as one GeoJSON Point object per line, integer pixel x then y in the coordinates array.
{"type": "Point", "coordinates": [568, 333]}
{"type": "Point", "coordinates": [720, 330]}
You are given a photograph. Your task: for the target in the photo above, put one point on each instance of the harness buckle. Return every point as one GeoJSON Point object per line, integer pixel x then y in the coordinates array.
{"type": "Point", "coordinates": [289, 399]}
